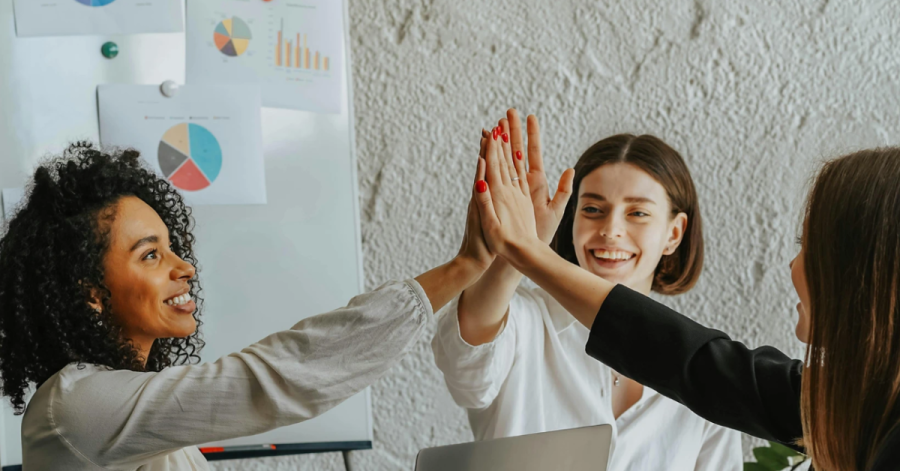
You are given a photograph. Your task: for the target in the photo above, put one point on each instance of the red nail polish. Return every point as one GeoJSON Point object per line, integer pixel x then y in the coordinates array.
{"type": "Point", "coordinates": [496, 133]}
{"type": "Point", "coordinates": [519, 154]}
{"type": "Point", "coordinates": [505, 137]}
{"type": "Point", "coordinates": [481, 186]}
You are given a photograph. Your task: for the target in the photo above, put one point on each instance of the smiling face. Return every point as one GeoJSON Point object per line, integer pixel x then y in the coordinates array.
{"type": "Point", "coordinates": [623, 225]}
{"type": "Point", "coordinates": [148, 283]}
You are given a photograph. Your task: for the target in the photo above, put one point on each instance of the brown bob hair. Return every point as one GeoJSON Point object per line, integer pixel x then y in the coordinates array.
{"type": "Point", "coordinates": [678, 272]}
{"type": "Point", "coordinates": [851, 378]}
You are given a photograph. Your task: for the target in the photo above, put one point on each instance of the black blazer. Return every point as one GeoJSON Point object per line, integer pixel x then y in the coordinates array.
{"type": "Point", "coordinates": [755, 391]}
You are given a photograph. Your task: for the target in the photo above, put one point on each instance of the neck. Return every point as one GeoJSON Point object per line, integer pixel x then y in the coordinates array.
{"type": "Point", "coordinates": [641, 286]}
{"type": "Point", "coordinates": [143, 348]}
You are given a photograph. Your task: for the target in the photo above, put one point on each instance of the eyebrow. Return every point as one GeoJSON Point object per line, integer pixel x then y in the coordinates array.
{"type": "Point", "coordinates": [146, 240]}
{"type": "Point", "coordinates": [628, 199]}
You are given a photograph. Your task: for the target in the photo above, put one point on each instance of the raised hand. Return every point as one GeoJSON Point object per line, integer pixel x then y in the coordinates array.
{"type": "Point", "coordinates": [474, 247]}
{"type": "Point", "coordinates": [504, 201]}
{"type": "Point", "coordinates": [443, 283]}
{"type": "Point", "coordinates": [547, 212]}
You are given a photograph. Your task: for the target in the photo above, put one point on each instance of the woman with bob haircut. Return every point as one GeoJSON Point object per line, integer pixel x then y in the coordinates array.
{"type": "Point", "coordinates": [841, 405]}
{"type": "Point", "coordinates": [514, 357]}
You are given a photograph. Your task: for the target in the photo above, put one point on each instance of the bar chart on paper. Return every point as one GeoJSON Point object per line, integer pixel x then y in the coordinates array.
{"type": "Point", "coordinates": [294, 53]}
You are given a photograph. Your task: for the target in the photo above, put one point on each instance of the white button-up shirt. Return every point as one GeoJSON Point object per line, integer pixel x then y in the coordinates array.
{"type": "Point", "coordinates": [536, 377]}
{"type": "Point", "coordinates": [92, 418]}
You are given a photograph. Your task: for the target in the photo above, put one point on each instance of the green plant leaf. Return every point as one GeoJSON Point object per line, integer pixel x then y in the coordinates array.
{"type": "Point", "coordinates": [783, 450]}
{"type": "Point", "coordinates": [770, 458]}
{"type": "Point", "coordinates": [756, 467]}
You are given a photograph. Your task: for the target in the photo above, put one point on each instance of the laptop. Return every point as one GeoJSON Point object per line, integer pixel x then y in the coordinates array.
{"type": "Point", "coordinates": [577, 449]}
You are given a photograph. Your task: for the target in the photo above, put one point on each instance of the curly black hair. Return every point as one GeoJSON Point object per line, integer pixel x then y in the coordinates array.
{"type": "Point", "coordinates": [51, 259]}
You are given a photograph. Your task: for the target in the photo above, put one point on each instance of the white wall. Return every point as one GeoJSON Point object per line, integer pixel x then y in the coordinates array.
{"type": "Point", "coordinates": [754, 93]}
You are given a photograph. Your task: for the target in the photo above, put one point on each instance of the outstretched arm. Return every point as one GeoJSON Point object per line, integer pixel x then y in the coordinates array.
{"type": "Point", "coordinates": [484, 306]}
{"type": "Point", "coordinates": [122, 419]}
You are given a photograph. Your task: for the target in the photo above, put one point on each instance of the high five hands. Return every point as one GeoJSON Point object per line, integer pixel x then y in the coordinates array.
{"type": "Point", "coordinates": [514, 204]}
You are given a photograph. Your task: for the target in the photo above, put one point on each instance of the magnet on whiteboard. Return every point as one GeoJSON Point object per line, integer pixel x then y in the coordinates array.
{"type": "Point", "coordinates": [169, 88]}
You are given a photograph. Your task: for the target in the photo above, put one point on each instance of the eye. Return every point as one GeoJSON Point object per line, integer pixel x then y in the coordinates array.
{"type": "Point", "coordinates": [152, 255]}
{"type": "Point", "coordinates": [591, 210]}
{"type": "Point", "coordinates": [799, 240]}
{"type": "Point", "coordinates": [639, 214]}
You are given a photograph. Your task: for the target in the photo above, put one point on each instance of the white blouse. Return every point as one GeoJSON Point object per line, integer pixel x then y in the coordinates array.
{"type": "Point", "coordinates": [536, 377]}
{"type": "Point", "coordinates": [92, 418]}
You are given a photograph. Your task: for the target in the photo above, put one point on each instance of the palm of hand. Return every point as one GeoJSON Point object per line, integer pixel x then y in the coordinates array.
{"type": "Point", "coordinates": [546, 216]}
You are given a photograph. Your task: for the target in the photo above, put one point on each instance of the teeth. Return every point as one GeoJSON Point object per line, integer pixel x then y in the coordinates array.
{"type": "Point", "coordinates": [611, 255]}
{"type": "Point", "coordinates": [179, 300]}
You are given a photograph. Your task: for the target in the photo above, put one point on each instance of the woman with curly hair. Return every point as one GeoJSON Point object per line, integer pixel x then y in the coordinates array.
{"type": "Point", "coordinates": [100, 310]}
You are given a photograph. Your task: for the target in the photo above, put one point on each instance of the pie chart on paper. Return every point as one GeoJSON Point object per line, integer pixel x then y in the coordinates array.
{"type": "Point", "coordinates": [232, 36]}
{"type": "Point", "coordinates": [95, 3]}
{"type": "Point", "coordinates": [190, 156]}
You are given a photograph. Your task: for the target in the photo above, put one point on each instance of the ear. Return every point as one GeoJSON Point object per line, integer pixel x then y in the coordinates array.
{"type": "Point", "coordinates": [676, 232]}
{"type": "Point", "coordinates": [93, 300]}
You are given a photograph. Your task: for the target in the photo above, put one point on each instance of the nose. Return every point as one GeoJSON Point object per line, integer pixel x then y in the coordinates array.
{"type": "Point", "coordinates": [183, 270]}
{"type": "Point", "coordinates": [612, 227]}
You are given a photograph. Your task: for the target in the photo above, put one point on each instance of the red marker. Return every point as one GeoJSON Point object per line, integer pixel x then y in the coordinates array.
{"type": "Point", "coordinates": [219, 449]}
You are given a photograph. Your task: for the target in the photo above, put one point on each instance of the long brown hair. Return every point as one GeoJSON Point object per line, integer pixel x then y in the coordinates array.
{"type": "Point", "coordinates": [851, 379]}
{"type": "Point", "coordinates": [678, 272]}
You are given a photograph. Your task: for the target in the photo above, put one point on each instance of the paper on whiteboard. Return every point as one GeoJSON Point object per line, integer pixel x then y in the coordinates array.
{"type": "Point", "coordinates": [206, 140]}
{"type": "Point", "coordinates": [292, 48]}
{"type": "Point", "coordinates": [11, 199]}
{"type": "Point", "coordinates": [73, 17]}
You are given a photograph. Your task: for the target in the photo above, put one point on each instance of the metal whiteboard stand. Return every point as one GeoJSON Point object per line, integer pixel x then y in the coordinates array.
{"type": "Point", "coordinates": [346, 455]}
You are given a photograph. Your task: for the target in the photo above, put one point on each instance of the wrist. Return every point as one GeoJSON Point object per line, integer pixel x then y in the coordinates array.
{"type": "Point", "coordinates": [524, 254]}
{"type": "Point", "coordinates": [466, 269]}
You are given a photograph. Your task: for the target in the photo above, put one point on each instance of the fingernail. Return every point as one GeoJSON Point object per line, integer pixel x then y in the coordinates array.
{"type": "Point", "coordinates": [505, 137]}
{"type": "Point", "coordinates": [481, 186]}
{"type": "Point", "coordinates": [496, 133]}
{"type": "Point", "coordinates": [519, 154]}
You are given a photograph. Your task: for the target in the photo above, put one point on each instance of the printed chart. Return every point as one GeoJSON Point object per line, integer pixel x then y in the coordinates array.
{"type": "Point", "coordinates": [190, 156]}
{"type": "Point", "coordinates": [206, 140]}
{"type": "Point", "coordinates": [303, 57]}
{"type": "Point", "coordinates": [95, 3]}
{"type": "Point", "coordinates": [292, 49]}
{"type": "Point", "coordinates": [97, 17]}
{"type": "Point", "coordinates": [232, 36]}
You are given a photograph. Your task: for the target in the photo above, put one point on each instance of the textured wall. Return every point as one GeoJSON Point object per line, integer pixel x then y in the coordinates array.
{"type": "Point", "coordinates": [754, 93]}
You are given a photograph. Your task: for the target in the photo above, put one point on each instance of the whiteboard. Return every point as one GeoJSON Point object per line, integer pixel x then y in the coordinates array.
{"type": "Point", "coordinates": [263, 268]}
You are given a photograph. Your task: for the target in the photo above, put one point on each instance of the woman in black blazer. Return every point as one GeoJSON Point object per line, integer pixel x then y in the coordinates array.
{"type": "Point", "coordinates": [841, 405]}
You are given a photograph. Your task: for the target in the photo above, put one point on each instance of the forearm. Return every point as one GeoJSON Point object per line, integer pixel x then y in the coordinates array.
{"type": "Point", "coordinates": [447, 281]}
{"type": "Point", "coordinates": [579, 291]}
{"type": "Point", "coordinates": [484, 305]}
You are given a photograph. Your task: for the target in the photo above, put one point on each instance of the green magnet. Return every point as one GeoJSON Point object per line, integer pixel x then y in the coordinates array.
{"type": "Point", "coordinates": [110, 50]}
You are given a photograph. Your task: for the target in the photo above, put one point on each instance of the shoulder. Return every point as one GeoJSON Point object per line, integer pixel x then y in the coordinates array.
{"type": "Point", "coordinates": [68, 378]}
{"type": "Point", "coordinates": [56, 412]}
{"type": "Point", "coordinates": [80, 393]}
{"type": "Point", "coordinates": [77, 376]}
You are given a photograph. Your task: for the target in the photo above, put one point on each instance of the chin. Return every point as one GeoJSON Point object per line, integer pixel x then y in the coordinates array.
{"type": "Point", "coordinates": [184, 331]}
{"type": "Point", "coordinates": [802, 334]}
